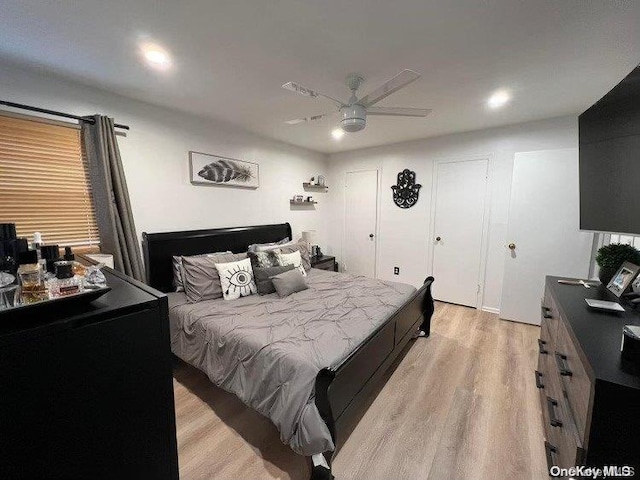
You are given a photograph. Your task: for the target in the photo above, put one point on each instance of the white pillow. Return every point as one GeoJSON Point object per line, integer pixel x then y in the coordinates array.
{"type": "Point", "coordinates": [236, 279]}
{"type": "Point", "coordinates": [294, 259]}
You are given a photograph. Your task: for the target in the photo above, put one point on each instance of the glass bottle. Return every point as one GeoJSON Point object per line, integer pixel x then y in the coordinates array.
{"type": "Point", "coordinates": [30, 274]}
{"type": "Point", "coordinates": [78, 268]}
{"type": "Point", "coordinates": [65, 283]}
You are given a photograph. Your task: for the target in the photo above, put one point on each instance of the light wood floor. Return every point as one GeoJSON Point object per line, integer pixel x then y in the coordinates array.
{"type": "Point", "coordinates": [460, 405]}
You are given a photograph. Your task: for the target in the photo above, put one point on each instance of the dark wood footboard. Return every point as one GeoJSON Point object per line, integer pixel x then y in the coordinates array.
{"type": "Point", "coordinates": [343, 390]}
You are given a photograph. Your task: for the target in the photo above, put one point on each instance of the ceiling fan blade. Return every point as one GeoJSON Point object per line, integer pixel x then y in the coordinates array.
{"type": "Point", "coordinates": [399, 111]}
{"type": "Point", "coordinates": [404, 78]}
{"type": "Point", "coordinates": [307, 92]}
{"type": "Point", "coordinates": [312, 118]}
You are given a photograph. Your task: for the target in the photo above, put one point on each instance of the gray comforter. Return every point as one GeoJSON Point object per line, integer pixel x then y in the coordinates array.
{"type": "Point", "coordinates": [268, 350]}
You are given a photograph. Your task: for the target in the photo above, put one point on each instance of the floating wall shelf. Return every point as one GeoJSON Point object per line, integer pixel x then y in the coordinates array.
{"type": "Point", "coordinates": [293, 202]}
{"type": "Point", "coordinates": [323, 188]}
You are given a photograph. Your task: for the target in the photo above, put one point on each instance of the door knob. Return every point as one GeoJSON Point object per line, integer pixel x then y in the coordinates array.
{"type": "Point", "coordinates": [438, 239]}
{"type": "Point", "coordinates": [512, 246]}
{"type": "Point", "coordinates": [371, 235]}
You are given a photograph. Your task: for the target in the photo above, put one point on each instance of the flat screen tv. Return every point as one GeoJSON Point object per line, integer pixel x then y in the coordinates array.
{"type": "Point", "coordinates": [610, 160]}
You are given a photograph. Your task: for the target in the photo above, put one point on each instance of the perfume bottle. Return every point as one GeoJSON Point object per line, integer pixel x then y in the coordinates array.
{"type": "Point", "coordinates": [30, 274]}
{"type": "Point", "coordinates": [35, 245]}
{"type": "Point", "coordinates": [65, 282]}
{"type": "Point", "coordinates": [50, 254]}
{"type": "Point", "coordinates": [78, 268]}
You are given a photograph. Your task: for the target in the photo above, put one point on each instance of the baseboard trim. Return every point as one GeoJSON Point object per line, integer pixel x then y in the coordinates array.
{"type": "Point", "coordinates": [491, 310]}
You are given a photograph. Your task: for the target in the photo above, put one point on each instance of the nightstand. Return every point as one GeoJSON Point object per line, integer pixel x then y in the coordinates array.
{"type": "Point", "coordinates": [325, 262]}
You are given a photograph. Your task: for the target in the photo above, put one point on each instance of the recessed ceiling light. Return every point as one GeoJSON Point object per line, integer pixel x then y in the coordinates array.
{"type": "Point", "coordinates": [499, 99]}
{"type": "Point", "coordinates": [156, 56]}
{"type": "Point", "coordinates": [337, 133]}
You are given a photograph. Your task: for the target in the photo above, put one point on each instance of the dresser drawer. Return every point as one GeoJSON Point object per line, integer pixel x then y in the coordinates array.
{"type": "Point", "coordinates": [549, 386]}
{"type": "Point", "coordinates": [550, 315]}
{"type": "Point", "coordinates": [545, 344]}
{"type": "Point", "coordinates": [560, 431]}
{"type": "Point", "coordinates": [575, 381]}
{"type": "Point", "coordinates": [553, 384]}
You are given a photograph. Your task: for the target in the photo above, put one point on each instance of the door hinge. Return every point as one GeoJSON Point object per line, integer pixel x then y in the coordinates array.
{"type": "Point", "coordinates": [478, 292]}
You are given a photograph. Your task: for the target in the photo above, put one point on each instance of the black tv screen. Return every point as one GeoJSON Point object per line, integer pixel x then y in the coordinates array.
{"type": "Point", "coordinates": [610, 160]}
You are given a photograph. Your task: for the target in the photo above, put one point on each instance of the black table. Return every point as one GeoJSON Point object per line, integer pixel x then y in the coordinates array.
{"type": "Point", "coordinates": [324, 262]}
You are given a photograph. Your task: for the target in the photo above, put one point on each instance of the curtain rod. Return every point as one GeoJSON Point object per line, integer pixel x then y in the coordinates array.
{"type": "Point", "coordinates": [57, 114]}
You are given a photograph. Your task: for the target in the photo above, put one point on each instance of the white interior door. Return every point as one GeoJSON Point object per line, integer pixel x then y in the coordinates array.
{"type": "Point", "coordinates": [458, 229]}
{"type": "Point", "coordinates": [543, 236]}
{"type": "Point", "coordinates": [361, 212]}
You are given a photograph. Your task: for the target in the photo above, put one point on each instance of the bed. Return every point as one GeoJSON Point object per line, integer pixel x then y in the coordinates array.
{"type": "Point", "coordinates": [310, 361]}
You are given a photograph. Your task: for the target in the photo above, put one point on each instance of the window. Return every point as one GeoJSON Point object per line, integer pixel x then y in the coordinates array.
{"type": "Point", "coordinates": [44, 183]}
{"type": "Point", "coordinates": [620, 238]}
{"type": "Point", "coordinates": [602, 239]}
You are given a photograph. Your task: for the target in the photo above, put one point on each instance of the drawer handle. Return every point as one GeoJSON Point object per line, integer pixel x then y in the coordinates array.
{"type": "Point", "coordinates": [550, 450]}
{"type": "Point", "coordinates": [541, 349]}
{"type": "Point", "coordinates": [546, 312]}
{"type": "Point", "coordinates": [539, 383]}
{"type": "Point", "coordinates": [551, 404]}
{"type": "Point", "coordinates": [561, 360]}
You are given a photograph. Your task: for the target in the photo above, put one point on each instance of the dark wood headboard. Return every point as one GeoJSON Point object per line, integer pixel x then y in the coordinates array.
{"type": "Point", "coordinates": [158, 248]}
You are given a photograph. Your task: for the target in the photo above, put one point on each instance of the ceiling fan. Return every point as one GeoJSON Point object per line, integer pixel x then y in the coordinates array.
{"type": "Point", "coordinates": [353, 112]}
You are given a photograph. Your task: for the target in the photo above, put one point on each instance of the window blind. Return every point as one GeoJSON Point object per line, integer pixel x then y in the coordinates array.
{"type": "Point", "coordinates": [44, 183]}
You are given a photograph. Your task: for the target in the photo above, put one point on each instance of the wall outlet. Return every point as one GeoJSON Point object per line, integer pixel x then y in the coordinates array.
{"type": "Point", "coordinates": [396, 270]}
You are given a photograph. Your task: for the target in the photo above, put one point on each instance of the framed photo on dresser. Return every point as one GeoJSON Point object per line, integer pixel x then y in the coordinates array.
{"type": "Point", "coordinates": [623, 278]}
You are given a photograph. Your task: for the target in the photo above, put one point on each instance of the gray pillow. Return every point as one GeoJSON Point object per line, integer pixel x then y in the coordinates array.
{"type": "Point", "coordinates": [259, 247]}
{"type": "Point", "coordinates": [289, 282]}
{"type": "Point", "coordinates": [263, 282]}
{"type": "Point", "coordinates": [178, 283]}
{"type": "Point", "coordinates": [200, 276]}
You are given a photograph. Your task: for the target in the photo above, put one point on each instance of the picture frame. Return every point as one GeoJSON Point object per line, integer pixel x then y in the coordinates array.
{"type": "Point", "coordinates": [623, 278]}
{"type": "Point", "coordinates": [214, 170]}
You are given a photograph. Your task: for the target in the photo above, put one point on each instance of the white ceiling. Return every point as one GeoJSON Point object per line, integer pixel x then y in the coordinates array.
{"type": "Point", "coordinates": [556, 56]}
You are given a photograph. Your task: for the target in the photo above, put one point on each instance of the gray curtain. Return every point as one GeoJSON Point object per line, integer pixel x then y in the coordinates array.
{"type": "Point", "coordinates": [111, 197]}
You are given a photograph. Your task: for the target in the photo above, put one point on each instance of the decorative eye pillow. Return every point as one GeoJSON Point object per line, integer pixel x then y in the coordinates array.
{"type": "Point", "coordinates": [236, 279]}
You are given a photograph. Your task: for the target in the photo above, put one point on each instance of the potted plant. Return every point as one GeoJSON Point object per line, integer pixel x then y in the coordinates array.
{"type": "Point", "coordinates": [611, 257]}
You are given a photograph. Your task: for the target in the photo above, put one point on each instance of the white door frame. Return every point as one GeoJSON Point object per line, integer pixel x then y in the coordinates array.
{"type": "Point", "coordinates": [484, 243]}
{"type": "Point", "coordinates": [344, 214]}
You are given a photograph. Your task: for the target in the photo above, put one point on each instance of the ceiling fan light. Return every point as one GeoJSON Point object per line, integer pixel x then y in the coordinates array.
{"type": "Point", "coordinates": [337, 133]}
{"type": "Point", "coordinates": [498, 99]}
{"type": "Point", "coordinates": [353, 118]}
{"type": "Point", "coordinates": [155, 56]}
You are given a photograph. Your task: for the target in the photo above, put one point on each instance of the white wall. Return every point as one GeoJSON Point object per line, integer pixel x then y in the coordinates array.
{"type": "Point", "coordinates": [156, 165]}
{"type": "Point", "coordinates": [155, 159]}
{"type": "Point", "coordinates": [404, 236]}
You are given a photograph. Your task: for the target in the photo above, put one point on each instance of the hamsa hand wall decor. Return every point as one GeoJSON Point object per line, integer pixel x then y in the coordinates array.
{"type": "Point", "coordinates": [405, 193]}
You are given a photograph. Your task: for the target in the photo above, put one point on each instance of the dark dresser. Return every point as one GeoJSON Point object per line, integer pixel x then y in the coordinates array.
{"type": "Point", "coordinates": [87, 392]}
{"type": "Point", "coordinates": [590, 397]}
{"type": "Point", "coordinates": [324, 262]}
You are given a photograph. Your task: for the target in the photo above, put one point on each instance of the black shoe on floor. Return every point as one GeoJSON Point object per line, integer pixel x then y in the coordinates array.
{"type": "Point", "coordinates": [321, 473]}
